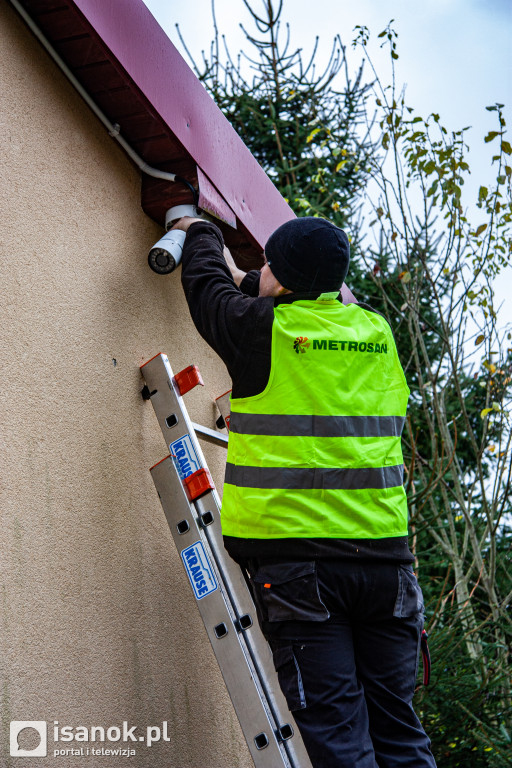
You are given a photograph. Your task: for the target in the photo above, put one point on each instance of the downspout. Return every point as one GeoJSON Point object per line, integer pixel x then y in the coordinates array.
{"type": "Point", "coordinates": [112, 128]}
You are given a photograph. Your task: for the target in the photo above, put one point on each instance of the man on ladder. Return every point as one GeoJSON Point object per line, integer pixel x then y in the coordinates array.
{"type": "Point", "coordinates": [314, 507]}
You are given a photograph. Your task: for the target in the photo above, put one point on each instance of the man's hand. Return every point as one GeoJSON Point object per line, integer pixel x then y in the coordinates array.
{"type": "Point", "coordinates": [237, 274]}
{"type": "Point", "coordinates": [185, 222]}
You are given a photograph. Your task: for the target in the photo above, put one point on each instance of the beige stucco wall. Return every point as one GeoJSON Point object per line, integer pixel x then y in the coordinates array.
{"type": "Point", "coordinates": [98, 624]}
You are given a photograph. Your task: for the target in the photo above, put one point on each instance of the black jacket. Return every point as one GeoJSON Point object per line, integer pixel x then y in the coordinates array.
{"type": "Point", "coordinates": [237, 324]}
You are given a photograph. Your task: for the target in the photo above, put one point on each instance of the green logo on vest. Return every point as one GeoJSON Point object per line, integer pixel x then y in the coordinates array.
{"type": "Point", "coordinates": [300, 344]}
{"type": "Point", "coordinates": [350, 346]}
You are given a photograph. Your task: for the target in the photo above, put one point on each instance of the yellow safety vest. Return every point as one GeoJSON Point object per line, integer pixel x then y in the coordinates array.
{"type": "Point", "coordinates": [317, 454]}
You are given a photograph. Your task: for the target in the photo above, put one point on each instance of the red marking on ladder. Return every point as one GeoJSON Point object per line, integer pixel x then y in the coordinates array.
{"type": "Point", "coordinates": [188, 378]}
{"type": "Point", "coordinates": [150, 360]}
{"type": "Point", "coordinates": [198, 483]}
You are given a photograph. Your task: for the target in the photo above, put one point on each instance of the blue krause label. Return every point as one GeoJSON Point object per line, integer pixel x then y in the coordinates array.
{"type": "Point", "coordinates": [199, 570]}
{"type": "Point", "coordinates": [184, 456]}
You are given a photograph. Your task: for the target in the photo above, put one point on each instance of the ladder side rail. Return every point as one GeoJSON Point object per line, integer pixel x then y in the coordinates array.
{"type": "Point", "coordinates": [240, 677]}
{"type": "Point", "coordinates": [257, 647]}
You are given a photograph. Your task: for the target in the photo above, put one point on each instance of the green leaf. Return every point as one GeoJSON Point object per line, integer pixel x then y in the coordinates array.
{"type": "Point", "coordinates": [507, 149]}
{"type": "Point", "coordinates": [479, 339]}
{"type": "Point", "coordinates": [312, 135]}
{"type": "Point", "coordinates": [482, 193]}
{"type": "Point", "coordinates": [481, 229]}
{"type": "Point", "coordinates": [491, 135]}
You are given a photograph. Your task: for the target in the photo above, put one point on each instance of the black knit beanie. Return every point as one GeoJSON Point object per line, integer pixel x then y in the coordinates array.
{"type": "Point", "coordinates": [308, 254]}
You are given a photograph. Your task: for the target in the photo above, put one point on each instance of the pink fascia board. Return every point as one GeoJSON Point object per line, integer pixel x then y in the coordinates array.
{"type": "Point", "coordinates": [144, 51]}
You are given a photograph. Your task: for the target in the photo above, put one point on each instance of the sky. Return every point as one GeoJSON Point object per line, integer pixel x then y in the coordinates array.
{"type": "Point", "coordinates": [455, 56]}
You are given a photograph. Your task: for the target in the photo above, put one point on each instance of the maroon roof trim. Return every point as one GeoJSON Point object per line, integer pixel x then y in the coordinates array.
{"type": "Point", "coordinates": [158, 70]}
{"type": "Point", "coordinates": [131, 69]}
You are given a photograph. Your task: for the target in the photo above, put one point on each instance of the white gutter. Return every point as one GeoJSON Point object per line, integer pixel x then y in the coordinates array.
{"type": "Point", "coordinates": [112, 128]}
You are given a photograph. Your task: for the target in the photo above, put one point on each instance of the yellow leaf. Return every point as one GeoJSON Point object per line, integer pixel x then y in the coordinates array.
{"type": "Point", "coordinates": [312, 135]}
{"type": "Point", "coordinates": [484, 413]}
{"type": "Point", "coordinates": [405, 277]}
{"type": "Point", "coordinates": [341, 164]}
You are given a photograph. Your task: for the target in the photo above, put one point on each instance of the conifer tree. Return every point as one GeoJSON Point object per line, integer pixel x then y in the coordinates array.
{"type": "Point", "coordinates": [358, 155]}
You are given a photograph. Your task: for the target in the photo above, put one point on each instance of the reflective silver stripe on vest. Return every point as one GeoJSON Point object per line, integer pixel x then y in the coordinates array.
{"type": "Point", "coordinates": [316, 426]}
{"type": "Point", "coordinates": [335, 479]}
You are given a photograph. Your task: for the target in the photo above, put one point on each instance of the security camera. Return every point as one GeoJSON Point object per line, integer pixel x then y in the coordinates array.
{"type": "Point", "coordinates": [165, 255]}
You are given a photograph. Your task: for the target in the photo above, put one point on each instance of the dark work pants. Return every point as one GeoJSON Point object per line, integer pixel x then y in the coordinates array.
{"type": "Point", "coordinates": [345, 638]}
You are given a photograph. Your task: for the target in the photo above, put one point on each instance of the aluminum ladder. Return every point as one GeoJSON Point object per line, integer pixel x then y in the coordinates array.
{"type": "Point", "coordinates": [192, 508]}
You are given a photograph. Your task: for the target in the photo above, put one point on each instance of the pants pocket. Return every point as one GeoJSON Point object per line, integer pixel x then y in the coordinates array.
{"type": "Point", "coordinates": [289, 592]}
{"type": "Point", "coordinates": [409, 600]}
{"type": "Point", "coordinates": [289, 676]}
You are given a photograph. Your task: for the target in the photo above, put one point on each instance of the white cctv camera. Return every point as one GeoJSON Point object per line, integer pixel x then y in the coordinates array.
{"type": "Point", "coordinates": [165, 255]}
